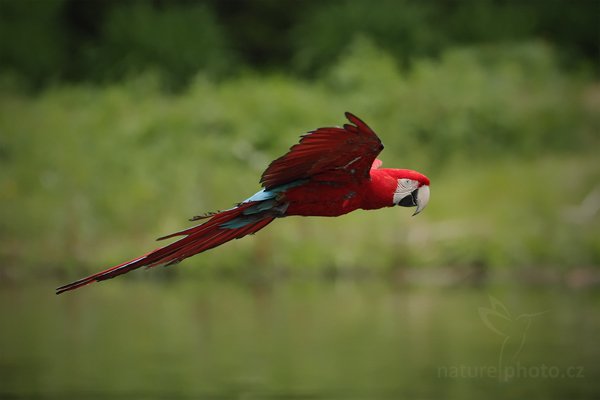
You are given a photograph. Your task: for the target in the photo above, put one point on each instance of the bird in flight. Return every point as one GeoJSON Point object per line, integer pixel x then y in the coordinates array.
{"type": "Point", "coordinates": [332, 171]}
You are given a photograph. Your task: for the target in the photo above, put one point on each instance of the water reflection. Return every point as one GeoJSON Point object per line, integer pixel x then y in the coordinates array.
{"type": "Point", "coordinates": [297, 339]}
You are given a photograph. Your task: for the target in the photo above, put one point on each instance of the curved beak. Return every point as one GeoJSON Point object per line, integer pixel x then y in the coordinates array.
{"type": "Point", "coordinates": [422, 195]}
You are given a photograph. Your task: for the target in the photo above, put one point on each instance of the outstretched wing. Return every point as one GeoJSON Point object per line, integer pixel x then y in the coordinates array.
{"type": "Point", "coordinates": [333, 154]}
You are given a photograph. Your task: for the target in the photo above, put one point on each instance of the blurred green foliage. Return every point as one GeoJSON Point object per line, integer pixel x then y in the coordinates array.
{"type": "Point", "coordinates": [410, 29]}
{"type": "Point", "coordinates": [44, 42]}
{"type": "Point", "coordinates": [32, 43]}
{"type": "Point", "coordinates": [90, 175]}
{"type": "Point", "coordinates": [177, 41]}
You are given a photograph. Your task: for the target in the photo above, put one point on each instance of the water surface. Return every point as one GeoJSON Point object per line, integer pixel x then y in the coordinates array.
{"type": "Point", "coordinates": [298, 340]}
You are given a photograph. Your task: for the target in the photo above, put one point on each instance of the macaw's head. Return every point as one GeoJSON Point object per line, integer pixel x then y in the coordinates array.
{"type": "Point", "coordinates": [412, 189]}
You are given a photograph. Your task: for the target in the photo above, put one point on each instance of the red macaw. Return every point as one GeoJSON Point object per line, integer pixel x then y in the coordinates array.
{"type": "Point", "coordinates": [330, 172]}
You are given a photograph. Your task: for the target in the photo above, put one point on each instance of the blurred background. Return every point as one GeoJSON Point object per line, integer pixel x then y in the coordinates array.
{"type": "Point", "coordinates": [121, 119]}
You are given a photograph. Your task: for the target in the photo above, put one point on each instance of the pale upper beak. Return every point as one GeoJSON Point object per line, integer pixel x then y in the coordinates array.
{"type": "Point", "coordinates": [422, 198]}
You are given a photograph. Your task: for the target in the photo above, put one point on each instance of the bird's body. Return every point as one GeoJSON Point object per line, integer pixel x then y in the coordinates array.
{"type": "Point", "coordinates": [330, 200]}
{"type": "Point", "coordinates": [323, 200]}
{"type": "Point", "coordinates": [330, 172]}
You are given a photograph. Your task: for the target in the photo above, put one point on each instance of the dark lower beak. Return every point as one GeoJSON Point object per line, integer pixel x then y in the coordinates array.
{"type": "Point", "coordinates": [410, 200]}
{"type": "Point", "coordinates": [418, 198]}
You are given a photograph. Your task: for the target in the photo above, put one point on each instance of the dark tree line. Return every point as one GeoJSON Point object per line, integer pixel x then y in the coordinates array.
{"type": "Point", "coordinates": [45, 41]}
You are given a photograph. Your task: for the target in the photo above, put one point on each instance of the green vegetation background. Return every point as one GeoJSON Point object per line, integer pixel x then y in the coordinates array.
{"type": "Point", "coordinates": [120, 120]}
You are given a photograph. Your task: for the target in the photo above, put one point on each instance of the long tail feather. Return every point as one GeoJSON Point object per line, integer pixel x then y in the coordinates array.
{"type": "Point", "coordinates": [221, 228]}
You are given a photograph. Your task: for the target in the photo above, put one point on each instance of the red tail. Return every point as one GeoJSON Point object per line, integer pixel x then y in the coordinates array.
{"type": "Point", "coordinates": [197, 239]}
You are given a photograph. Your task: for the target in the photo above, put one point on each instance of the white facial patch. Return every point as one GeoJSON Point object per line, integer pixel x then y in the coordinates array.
{"type": "Point", "coordinates": [404, 188]}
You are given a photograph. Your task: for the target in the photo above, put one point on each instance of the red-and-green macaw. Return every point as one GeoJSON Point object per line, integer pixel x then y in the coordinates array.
{"type": "Point", "coordinates": [330, 172]}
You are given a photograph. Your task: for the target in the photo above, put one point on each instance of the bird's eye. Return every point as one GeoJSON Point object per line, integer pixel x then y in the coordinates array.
{"type": "Point", "coordinates": [405, 182]}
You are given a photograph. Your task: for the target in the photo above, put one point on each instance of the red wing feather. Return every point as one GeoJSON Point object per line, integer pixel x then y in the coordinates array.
{"type": "Point", "coordinates": [339, 154]}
